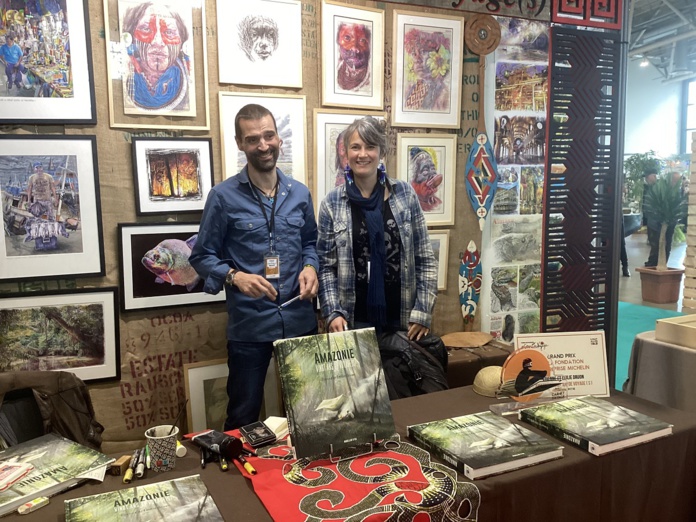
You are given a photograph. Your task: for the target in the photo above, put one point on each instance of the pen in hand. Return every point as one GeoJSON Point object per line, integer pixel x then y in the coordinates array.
{"type": "Point", "coordinates": [286, 303]}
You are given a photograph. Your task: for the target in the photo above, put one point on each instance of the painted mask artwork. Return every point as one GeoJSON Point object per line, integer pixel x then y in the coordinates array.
{"type": "Point", "coordinates": [424, 178]}
{"type": "Point", "coordinates": [470, 282]}
{"type": "Point", "coordinates": [354, 50]}
{"type": "Point", "coordinates": [481, 174]}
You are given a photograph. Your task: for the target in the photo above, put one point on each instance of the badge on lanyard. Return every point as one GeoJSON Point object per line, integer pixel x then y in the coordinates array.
{"type": "Point", "coordinates": [271, 266]}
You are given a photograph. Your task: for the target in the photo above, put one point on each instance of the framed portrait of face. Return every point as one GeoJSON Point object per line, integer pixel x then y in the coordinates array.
{"type": "Point", "coordinates": [428, 163]}
{"type": "Point", "coordinates": [352, 56]}
{"type": "Point", "coordinates": [262, 42]}
{"type": "Point", "coordinates": [289, 112]}
{"type": "Point", "coordinates": [426, 70]}
{"type": "Point", "coordinates": [439, 239]}
{"type": "Point", "coordinates": [157, 64]}
{"type": "Point", "coordinates": [330, 157]}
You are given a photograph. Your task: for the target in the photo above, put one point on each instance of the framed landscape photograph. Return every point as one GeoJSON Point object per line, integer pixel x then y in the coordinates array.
{"type": "Point", "coordinates": [54, 82]}
{"type": "Point", "coordinates": [171, 174]}
{"type": "Point", "coordinates": [428, 163]}
{"type": "Point", "coordinates": [330, 155]}
{"type": "Point", "coordinates": [439, 239]}
{"type": "Point", "coordinates": [262, 42]}
{"type": "Point", "coordinates": [289, 112]}
{"type": "Point", "coordinates": [157, 64]}
{"type": "Point", "coordinates": [205, 383]}
{"type": "Point", "coordinates": [427, 70]}
{"type": "Point", "coordinates": [65, 330]}
{"type": "Point", "coordinates": [51, 207]}
{"type": "Point", "coordinates": [155, 271]}
{"type": "Point", "coordinates": [352, 56]}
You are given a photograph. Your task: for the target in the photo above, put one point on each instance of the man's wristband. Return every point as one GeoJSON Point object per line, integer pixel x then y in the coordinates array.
{"type": "Point", "coordinates": [310, 266]}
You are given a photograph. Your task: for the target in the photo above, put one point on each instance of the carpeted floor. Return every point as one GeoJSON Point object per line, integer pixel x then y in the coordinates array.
{"type": "Point", "coordinates": [633, 319]}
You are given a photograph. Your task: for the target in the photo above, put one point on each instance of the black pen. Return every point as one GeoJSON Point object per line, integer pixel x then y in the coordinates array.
{"type": "Point", "coordinates": [203, 458]}
{"type": "Point", "coordinates": [249, 453]}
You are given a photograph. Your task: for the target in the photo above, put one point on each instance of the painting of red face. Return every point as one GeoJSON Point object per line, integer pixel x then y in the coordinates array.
{"type": "Point", "coordinates": [354, 44]}
{"type": "Point", "coordinates": [157, 34]}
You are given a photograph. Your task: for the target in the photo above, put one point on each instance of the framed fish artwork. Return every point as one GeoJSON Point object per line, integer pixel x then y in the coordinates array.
{"type": "Point", "coordinates": [155, 271]}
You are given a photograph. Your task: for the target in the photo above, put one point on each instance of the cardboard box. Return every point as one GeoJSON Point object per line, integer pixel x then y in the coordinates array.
{"type": "Point", "coordinates": [677, 330]}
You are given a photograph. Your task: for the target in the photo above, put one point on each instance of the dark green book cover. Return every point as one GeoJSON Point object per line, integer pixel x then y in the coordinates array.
{"type": "Point", "coordinates": [48, 464]}
{"type": "Point", "coordinates": [595, 424]}
{"type": "Point", "coordinates": [483, 444]}
{"type": "Point", "coordinates": [334, 391]}
{"type": "Point", "coordinates": [185, 498]}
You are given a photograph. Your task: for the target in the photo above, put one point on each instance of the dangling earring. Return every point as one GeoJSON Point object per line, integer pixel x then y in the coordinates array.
{"type": "Point", "coordinates": [348, 173]}
{"type": "Point", "coordinates": [382, 173]}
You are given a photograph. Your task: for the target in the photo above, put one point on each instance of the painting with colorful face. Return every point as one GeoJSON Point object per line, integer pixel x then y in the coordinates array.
{"type": "Point", "coordinates": [353, 51]}
{"type": "Point", "coordinates": [158, 58]}
{"type": "Point", "coordinates": [427, 69]}
{"type": "Point", "coordinates": [424, 176]}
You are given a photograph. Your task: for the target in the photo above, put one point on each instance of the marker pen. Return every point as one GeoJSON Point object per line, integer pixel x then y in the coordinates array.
{"type": "Point", "coordinates": [250, 469]}
{"type": "Point", "coordinates": [128, 476]}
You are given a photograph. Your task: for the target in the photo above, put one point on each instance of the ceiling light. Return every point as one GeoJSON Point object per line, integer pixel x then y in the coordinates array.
{"type": "Point", "coordinates": [644, 62]}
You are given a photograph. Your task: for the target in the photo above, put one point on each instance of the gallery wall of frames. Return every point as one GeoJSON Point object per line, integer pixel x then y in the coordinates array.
{"type": "Point", "coordinates": [127, 151]}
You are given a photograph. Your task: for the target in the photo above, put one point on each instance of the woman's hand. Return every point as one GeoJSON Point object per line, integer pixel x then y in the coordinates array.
{"type": "Point", "coordinates": [417, 331]}
{"type": "Point", "coordinates": [338, 325]}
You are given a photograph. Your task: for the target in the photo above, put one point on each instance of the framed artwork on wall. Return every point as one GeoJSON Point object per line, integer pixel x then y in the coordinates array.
{"type": "Point", "coordinates": [64, 330]}
{"type": "Point", "coordinates": [427, 68]}
{"type": "Point", "coordinates": [439, 239]}
{"type": "Point", "coordinates": [262, 42]}
{"type": "Point", "coordinates": [155, 271]}
{"type": "Point", "coordinates": [171, 174]}
{"type": "Point", "coordinates": [51, 207]}
{"type": "Point", "coordinates": [428, 163]}
{"type": "Point", "coordinates": [289, 112]}
{"type": "Point", "coordinates": [156, 64]}
{"type": "Point", "coordinates": [53, 82]}
{"type": "Point", "coordinates": [352, 56]}
{"type": "Point", "coordinates": [330, 155]}
{"type": "Point", "coordinates": [205, 383]}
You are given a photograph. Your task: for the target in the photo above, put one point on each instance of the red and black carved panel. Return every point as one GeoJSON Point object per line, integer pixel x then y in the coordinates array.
{"type": "Point", "coordinates": [593, 13]}
{"type": "Point", "coordinates": [581, 177]}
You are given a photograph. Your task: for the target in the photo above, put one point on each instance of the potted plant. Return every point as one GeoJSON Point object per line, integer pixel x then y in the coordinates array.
{"type": "Point", "coordinates": [665, 206]}
{"type": "Point", "coordinates": [635, 167]}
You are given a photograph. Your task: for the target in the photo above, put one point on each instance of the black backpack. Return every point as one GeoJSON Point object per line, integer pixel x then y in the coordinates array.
{"type": "Point", "coordinates": [413, 368]}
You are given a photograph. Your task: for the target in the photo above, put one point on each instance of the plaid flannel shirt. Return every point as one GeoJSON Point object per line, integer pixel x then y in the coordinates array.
{"type": "Point", "coordinates": [335, 250]}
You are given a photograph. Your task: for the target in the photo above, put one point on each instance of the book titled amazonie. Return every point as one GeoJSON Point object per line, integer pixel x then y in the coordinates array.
{"type": "Point", "coordinates": [595, 424]}
{"type": "Point", "coordinates": [334, 391]}
{"type": "Point", "coordinates": [184, 498]}
{"type": "Point", "coordinates": [483, 444]}
{"type": "Point", "coordinates": [45, 466]}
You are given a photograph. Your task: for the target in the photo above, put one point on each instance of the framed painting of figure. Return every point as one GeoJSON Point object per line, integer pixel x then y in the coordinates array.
{"type": "Point", "coordinates": [260, 42]}
{"type": "Point", "coordinates": [352, 56]}
{"type": "Point", "coordinates": [330, 158]}
{"type": "Point", "coordinates": [51, 207]}
{"type": "Point", "coordinates": [289, 112]}
{"type": "Point", "coordinates": [428, 163]}
{"type": "Point", "coordinates": [427, 70]}
{"type": "Point", "coordinates": [62, 330]}
{"type": "Point", "coordinates": [157, 64]}
{"type": "Point", "coordinates": [172, 174]}
{"type": "Point", "coordinates": [47, 60]}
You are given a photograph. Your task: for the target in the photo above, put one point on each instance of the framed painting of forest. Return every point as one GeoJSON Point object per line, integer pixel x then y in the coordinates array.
{"type": "Point", "coordinates": [172, 174]}
{"type": "Point", "coordinates": [64, 330]}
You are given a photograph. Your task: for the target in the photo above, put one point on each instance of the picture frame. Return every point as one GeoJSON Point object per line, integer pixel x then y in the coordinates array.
{"type": "Point", "coordinates": [155, 272]}
{"type": "Point", "coordinates": [440, 243]}
{"type": "Point", "coordinates": [83, 326]}
{"type": "Point", "coordinates": [132, 103]}
{"type": "Point", "coordinates": [290, 112]}
{"type": "Point", "coordinates": [171, 174]}
{"type": "Point", "coordinates": [262, 40]}
{"type": "Point", "coordinates": [428, 162]}
{"type": "Point", "coordinates": [352, 56]}
{"type": "Point", "coordinates": [205, 383]}
{"type": "Point", "coordinates": [328, 125]}
{"type": "Point", "coordinates": [426, 91]}
{"type": "Point", "coordinates": [57, 88]}
{"type": "Point", "coordinates": [50, 217]}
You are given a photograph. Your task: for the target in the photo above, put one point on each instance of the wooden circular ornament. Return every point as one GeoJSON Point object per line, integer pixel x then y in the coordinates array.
{"type": "Point", "coordinates": [482, 34]}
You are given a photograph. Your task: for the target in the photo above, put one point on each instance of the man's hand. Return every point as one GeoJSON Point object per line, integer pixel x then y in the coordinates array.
{"type": "Point", "coordinates": [338, 325]}
{"type": "Point", "coordinates": [417, 331]}
{"type": "Point", "coordinates": [309, 284]}
{"type": "Point", "coordinates": [253, 285]}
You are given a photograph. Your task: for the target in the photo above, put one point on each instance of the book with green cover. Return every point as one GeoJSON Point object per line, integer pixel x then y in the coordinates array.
{"type": "Point", "coordinates": [334, 391]}
{"type": "Point", "coordinates": [594, 424]}
{"type": "Point", "coordinates": [45, 466]}
{"type": "Point", "coordinates": [184, 498]}
{"type": "Point", "coordinates": [483, 444]}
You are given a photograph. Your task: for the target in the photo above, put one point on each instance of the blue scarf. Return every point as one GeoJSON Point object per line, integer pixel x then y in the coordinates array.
{"type": "Point", "coordinates": [166, 90]}
{"type": "Point", "coordinates": [372, 208]}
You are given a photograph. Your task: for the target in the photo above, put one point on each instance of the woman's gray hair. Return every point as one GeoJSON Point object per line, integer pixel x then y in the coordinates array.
{"type": "Point", "coordinates": [371, 131]}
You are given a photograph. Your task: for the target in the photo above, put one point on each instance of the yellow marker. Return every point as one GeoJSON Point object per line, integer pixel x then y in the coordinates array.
{"type": "Point", "coordinates": [223, 463]}
{"type": "Point", "coordinates": [128, 476]}
{"type": "Point", "coordinates": [33, 505]}
{"type": "Point", "coordinates": [250, 469]}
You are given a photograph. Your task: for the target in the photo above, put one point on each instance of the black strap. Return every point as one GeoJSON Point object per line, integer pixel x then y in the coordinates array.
{"type": "Point", "coordinates": [269, 223]}
{"type": "Point", "coordinates": [418, 347]}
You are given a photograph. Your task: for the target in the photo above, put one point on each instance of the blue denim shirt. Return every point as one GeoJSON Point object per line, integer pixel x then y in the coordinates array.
{"type": "Point", "coordinates": [234, 234]}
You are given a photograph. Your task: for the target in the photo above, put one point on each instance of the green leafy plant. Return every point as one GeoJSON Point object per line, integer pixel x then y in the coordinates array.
{"type": "Point", "coordinates": [634, 167]}
{"type": "Point", "coordinates": [665, 204]}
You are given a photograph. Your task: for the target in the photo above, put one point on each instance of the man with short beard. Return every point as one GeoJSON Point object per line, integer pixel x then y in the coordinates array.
{"type": "Point", "coordinates": [257, 239]}
{"type": "Point", "coordinates": [159, 70]}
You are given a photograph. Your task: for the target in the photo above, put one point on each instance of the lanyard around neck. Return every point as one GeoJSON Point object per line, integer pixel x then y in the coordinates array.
{"type": "Point", "coordinates": [270, 223]}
